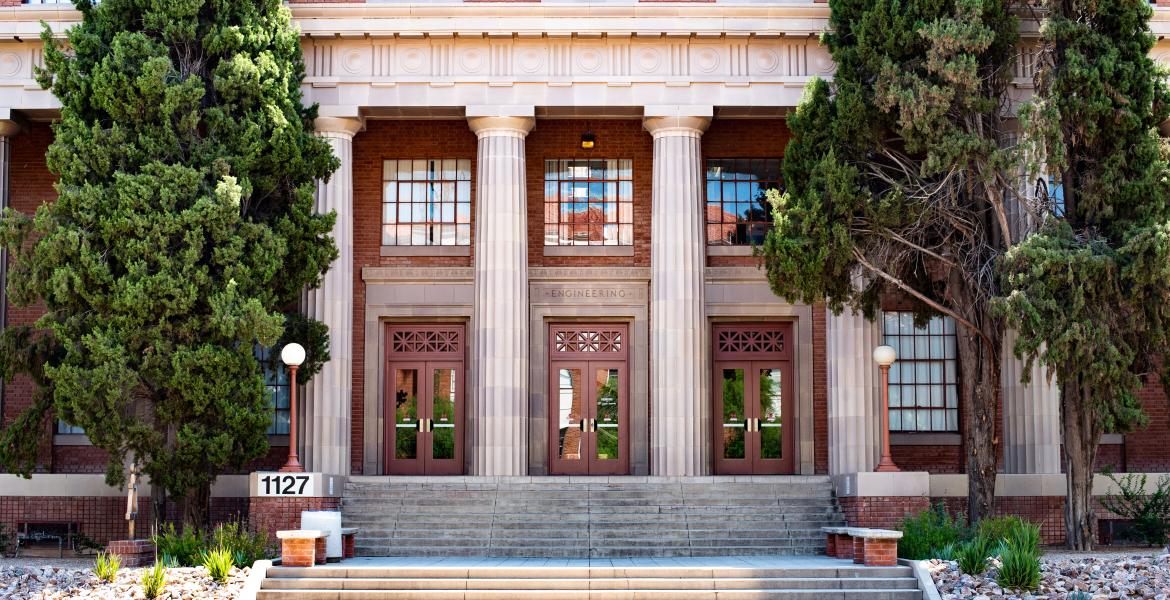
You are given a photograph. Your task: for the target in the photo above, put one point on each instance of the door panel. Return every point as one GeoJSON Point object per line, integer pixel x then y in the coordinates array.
{"type": "Point", "coordinates": [733, 414]}
{"type": "Point", "coordinates": [589, 410]}
{"type": "Point", "coordinates": [444, 435]}
{"type": "Point", "coordinates": [568, 389]}
{"type": "Point", "coordinates": [607, 420]}
{"type": "Point", "coordinates": [403, 402]}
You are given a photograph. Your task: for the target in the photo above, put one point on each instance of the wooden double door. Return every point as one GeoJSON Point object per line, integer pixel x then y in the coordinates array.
{"type": "Point", "coordinates": [423, 403]}
{"type": "Point", "coordinates": [753, 399]}
{"type": "Point", "coordinates": [588, 400]}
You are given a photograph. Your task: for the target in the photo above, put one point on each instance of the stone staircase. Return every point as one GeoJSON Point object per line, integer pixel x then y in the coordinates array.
{"type": "Point", "coordinates": [788, 578]}
{"type": "Point", "coordinates": [591, 517]}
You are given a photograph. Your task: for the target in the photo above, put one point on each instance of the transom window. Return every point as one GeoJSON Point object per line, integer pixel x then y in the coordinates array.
{"type": "Point", "coordinates": [426, 202]}
{"type": "Point", "coordinates": [276, 385]}
{"type": "Point", "coordinates": [738, 212]}
{"type": "Point", "coordinates": [589, 202]}
{"type": "Point", "coordinates": [924, 394]}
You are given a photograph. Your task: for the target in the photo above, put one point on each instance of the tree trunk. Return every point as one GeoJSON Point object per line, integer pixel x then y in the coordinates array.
{"type": "Point", "coordinates": [1081, 434]}
{"type": "Point", "coordinates": [978, 389]}
{"type": "Point", "coordinates": [196, 507]}
{"type": "Point", "coordinates": [158, 504]}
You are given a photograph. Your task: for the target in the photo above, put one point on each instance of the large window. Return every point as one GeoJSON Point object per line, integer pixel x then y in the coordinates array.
{"type": "Point", "coordinates": [738, 212]}
{"type": "Point", "coordinates": [588, 202]}
{"type": "Point", "coordinates": [66, 428]}
{"type": "Point", "coordinates": [924, 394]}
{"type": "Point", "coordinates": [276, 384]}
{"type": "Point", "coordinates": [426, 202]}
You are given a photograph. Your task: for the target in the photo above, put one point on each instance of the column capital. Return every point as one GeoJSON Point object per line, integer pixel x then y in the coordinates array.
{"type": "Point", "coordinates": [676, 124]}
{"type": "Point", "coordinates": [501, 125]}
{"type": "Point", "coordinates": [342, 126]}
{"type": "Point", "coordinates": [9, 127]}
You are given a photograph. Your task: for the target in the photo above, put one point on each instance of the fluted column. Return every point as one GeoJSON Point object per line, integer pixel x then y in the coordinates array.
{"type": "Point", "coordinates": [325, 420]}
{"type": "Point", "coordinates": [1031, 416]}
{"type": "Point", "coordinates": [854, 394]}
{"type": "Point", "coordinates": [679, 370]}
{"type": "Point", "coordinates": [499, 321]}
{"type": "Point", "coordinates": [8, 128]}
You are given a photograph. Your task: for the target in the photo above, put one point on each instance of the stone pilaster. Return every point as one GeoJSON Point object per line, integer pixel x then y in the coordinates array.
{"type": "Point", "coordinates": [325, 420]}
{"type": "Point", "coordinates": [8, 128]}
{"type": "Point", "coordinates": [679, 369]}
{"type": "Point", "coordinates": [854, 393]}
{"type": "Point", "coordinates": [499, 322]}
{"type": "Point", "coordinates": [1031, 416]}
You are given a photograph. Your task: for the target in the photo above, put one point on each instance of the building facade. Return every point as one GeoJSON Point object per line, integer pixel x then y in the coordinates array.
{"type": "Point", "coordinates": [546, 220]}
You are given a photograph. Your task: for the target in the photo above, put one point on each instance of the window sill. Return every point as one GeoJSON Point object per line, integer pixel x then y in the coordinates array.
{"type": "Point", "coordinates": [278, 440]}
{"type": "Point", "coordinates": [588, 250]}
{"type": "Point", "coordinates": [925, 439]}
{"type": "Point", "coordinates": [71, 439]}
{"type": "Point", "coordinates": [426, 250]}
{"type": "Point", "coordinates": [731, 250]}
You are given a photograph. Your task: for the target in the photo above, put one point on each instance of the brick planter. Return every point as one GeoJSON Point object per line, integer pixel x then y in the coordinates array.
{"type": "Point", "coordinates": [134, 553]}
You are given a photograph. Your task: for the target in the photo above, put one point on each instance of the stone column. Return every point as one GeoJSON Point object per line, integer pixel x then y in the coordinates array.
{"type": "Point", "coordinates": [499, 321]}
{"type": "Point", "coordinates": [325, 419]}
{"type": "Point", "coordinates": [854, 393]}
{"type": "Point", "coordinates": [679, 369]}
{"type": "Point", "coordinates": [8, 128]}
{"type": "Point", "coordinates": [1031, 416]}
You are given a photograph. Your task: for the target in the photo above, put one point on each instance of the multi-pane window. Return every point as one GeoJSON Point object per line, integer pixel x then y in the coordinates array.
{"type": "Point", "coordinates": [738, 212]}
{"type": "Point", "coordinates": [924, 394]}
{"type": "Point", "coordinates": [589, 202]}
{"type": "Point", "coordinates": [276, 385]}
{"type": "Point", "coordinates": [66, 428]}
{"type": "Point", "coordinates": [426, 202]}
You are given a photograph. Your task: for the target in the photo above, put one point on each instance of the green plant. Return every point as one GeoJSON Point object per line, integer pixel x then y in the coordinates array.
{"type": "Point", "coordinates": [946, 552]}
{"type": "Point", "coordinates": [972, 555]}
{"type": "Point", "coordinates": [83, 544]}
{"type": "Point", "coordinates": [1026, 538]}
{"type": "Point", "coordinates": [1149, 513]}
{"type": "Point", "coordinates": [246, 547]}
{"type": "Point", "coordinates": [154, 580]}
{"type": "Point", "coordinates": [106, 566]}
{"type": "Point", "coordinates": [999, 528]}
{"type": "Point", "coordinates": [1079, 595]}
{"type": "Point", "coordinates": [7, 538]}
{"type": "Point", "coordinates": [1019, 566]}
{"type": "Point", "coordinates": [926, 532]}
{"type": "Point", "coordinates": [219, 563]}
{"type": "Point", "coordinates": [182, 549]}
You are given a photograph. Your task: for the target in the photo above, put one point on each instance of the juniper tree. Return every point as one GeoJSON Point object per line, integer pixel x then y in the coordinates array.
{"type": "Point", "coordinates": [1090, 291]}
{"type": "Point", "coordinates": [183, 225]}
{"type": "Point", "coordinates": [895, 185]}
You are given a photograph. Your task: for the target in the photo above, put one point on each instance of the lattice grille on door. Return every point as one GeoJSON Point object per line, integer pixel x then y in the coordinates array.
{"type": "Point", "coordinates": [588, 341]}
{"type": "Point", "coordinates": [750, 340]}
{"type": "Point", "coordinates": [426, 341]}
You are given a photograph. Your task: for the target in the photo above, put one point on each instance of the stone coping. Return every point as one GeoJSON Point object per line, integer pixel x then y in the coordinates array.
{"type": "Point", "coordinates": [79, 485]}
{"type": "Point", "coordinates": [300, 534]}
{"type": "Point", "coordinates": [835, 530]}
{"type": "Point", "coordinates": [873, 534]}
{"type": "Point", "coordinates": [349, 530]}
{"type": "Point", "coordinates": [946, 485]}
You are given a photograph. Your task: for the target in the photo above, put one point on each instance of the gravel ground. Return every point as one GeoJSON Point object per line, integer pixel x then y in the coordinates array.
{"type": "Point", "coordinates": [62, 579]}
{"type": "Point", "coordinates": [1105, 575]}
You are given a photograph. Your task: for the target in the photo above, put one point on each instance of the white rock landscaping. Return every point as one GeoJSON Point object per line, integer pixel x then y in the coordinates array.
{"type": "Point", "coordinates": [52, 583]}
{"type": "Point", "coordinates": [1122, 578]}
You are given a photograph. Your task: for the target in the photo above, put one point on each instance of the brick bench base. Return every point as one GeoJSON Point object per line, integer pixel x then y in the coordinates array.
{"type": "Point", "coordinates": [301, 547]}
{"type": "Point", "coordinates": [870, 547]}
{"type": "Point", "coordinates": [134, 553]}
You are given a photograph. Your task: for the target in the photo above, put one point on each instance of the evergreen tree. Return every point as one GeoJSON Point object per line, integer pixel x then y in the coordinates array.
{"type": "Point", "coordinates": [1090, 291]}
{"type": "Point", "coordinates": [183, 225]}
{"type": "Point", "coordinates": [896, 178]}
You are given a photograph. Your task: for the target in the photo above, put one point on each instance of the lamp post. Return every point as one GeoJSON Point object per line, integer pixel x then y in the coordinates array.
{"type": "Point", "coordinates": [885, 356]}
{"type": "Point", "coordinates": [292, 355]}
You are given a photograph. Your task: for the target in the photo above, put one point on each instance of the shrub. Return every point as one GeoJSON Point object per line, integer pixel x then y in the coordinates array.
{"type": "Point", "coordinates": [999, 528]}
{"type": "Point", "coordinates": [106, 566]}
{"type": "Point", "coordinates": [972, 556]}
{"type": "Point", "coordinates": [154, 580]}
{"type": "Point", "coordinates": [1079, 595]}
{"type": "Point", "coordinates": [1019, 569]}
{"type": "Point", "coordinates": [946, 552]}
{"type": "Point", "coordinates": [181, 549]}
{"type": "Point", "coordinates": [244, 546]}
{"type": "Point", "coordinates": [1149, 513]}
{"type": "Point", "coordinates": [1025, 538]}
{"type": "Point", "coordinates": [927, 532]}
{"type": "Point", "coordinates": [219, 564]}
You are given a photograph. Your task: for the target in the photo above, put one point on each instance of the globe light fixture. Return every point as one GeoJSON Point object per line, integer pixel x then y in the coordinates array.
{"type": "Point", "coordinates": [292, 355]}
{"type": "Point", "coordinates": [885, 356]}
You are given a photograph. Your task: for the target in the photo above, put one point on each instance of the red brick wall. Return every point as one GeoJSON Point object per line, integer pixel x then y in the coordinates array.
{"type": "Point", "coordinates": [616, 139]}
{"type": "Point", "coordinates": [279, 514]}
{"type": "Point", "coordinates": [1147, 450]}
{"type": "Point", "coordinates": [743, 138]}
{"type": "Point", "coordinates": [385, 140]}
{"type": "Point", "coordinates": [936, 459]}
{"type": "Point", "coordinates": [883, 512]}
{"type": "Point", "coordinates": [100, 518]}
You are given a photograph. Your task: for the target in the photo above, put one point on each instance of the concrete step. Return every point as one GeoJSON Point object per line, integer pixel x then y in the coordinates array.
{"type": "Point", "coordinates": [614, 583]}
{"type": "Point", "coordinates": [461, 594]}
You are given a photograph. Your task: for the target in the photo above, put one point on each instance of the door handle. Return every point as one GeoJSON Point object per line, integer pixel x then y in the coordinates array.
{"type": "Point", "coordinates": [582, 424]}
{"type": "Point", "coordinates": [753, 424]}
{"type": "Point", "coordinates": [425, 425]}
{"type": "Point", "coordinates": [592, 425]}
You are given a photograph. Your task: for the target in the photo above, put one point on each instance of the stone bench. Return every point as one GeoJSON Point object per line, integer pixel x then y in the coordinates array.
{"type": "Point", "coordinates": [301, 547]}
{"type": "Point", "coordinates": [347, 542]}
{"type": "Point", "coordinates": [862, 545]}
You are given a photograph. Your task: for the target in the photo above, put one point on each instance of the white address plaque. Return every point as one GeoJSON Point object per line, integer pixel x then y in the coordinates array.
{"type": "Point", "coordinates": [294, 485]}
